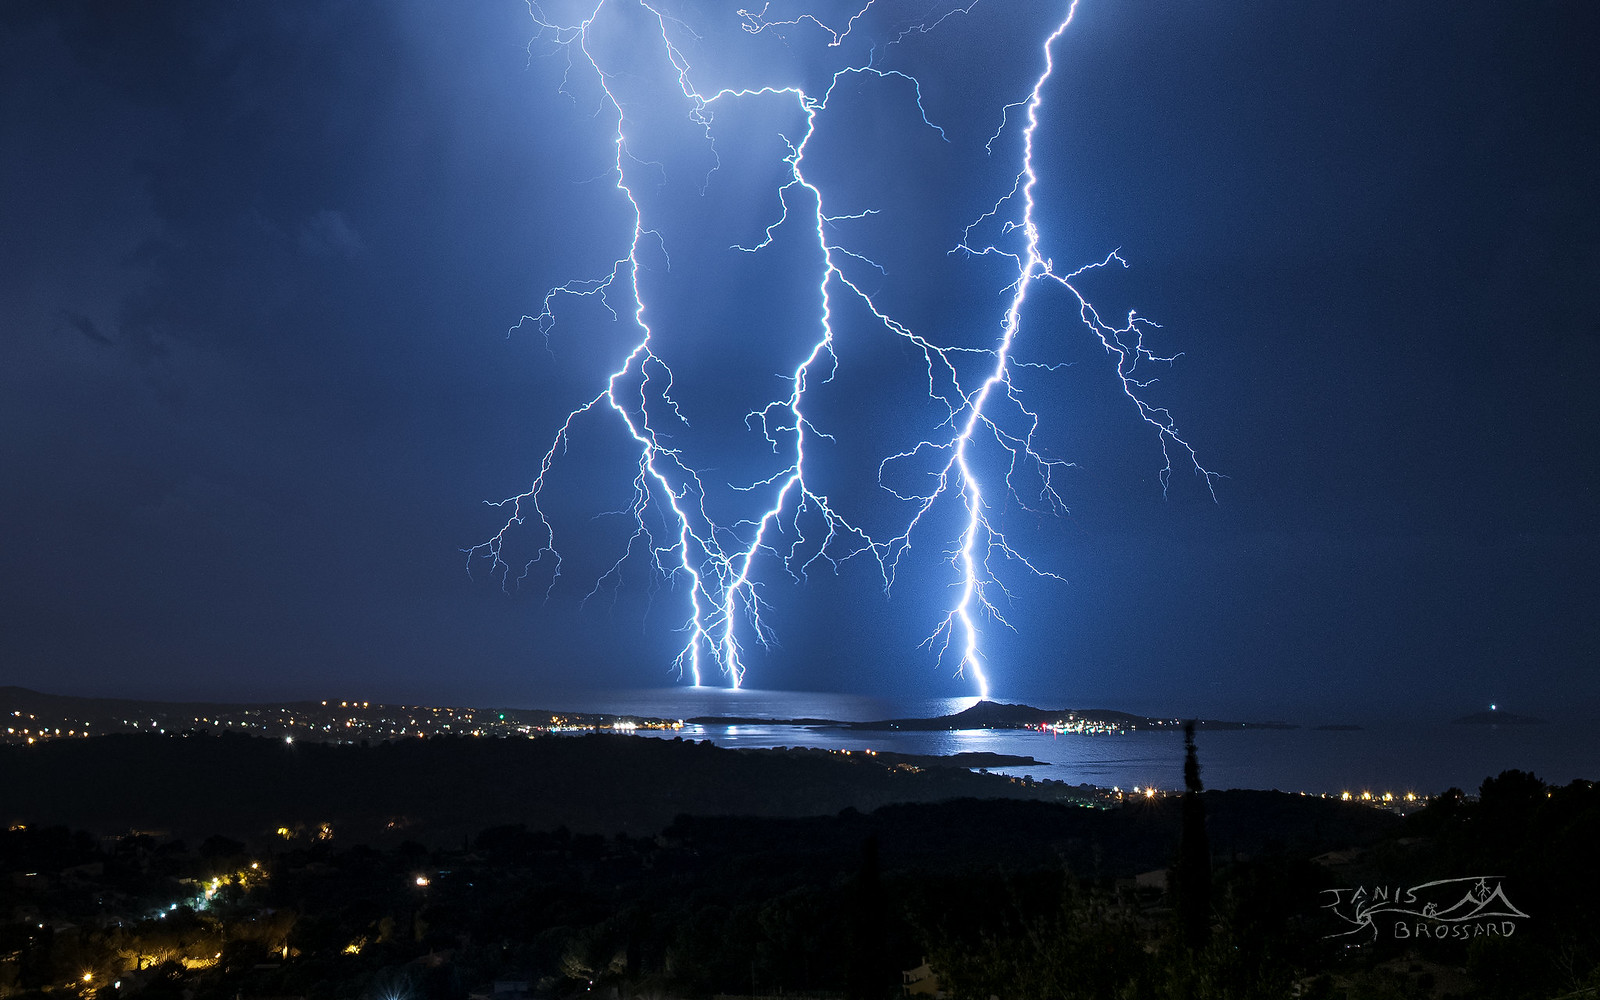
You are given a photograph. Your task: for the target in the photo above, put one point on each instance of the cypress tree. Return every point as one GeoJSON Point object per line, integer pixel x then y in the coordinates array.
{"type": "Point", "coordinates": [1192, 873]}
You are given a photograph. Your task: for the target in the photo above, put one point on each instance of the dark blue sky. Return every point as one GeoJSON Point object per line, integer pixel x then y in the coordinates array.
{"type": "Point", "coordinates": [255, 383]}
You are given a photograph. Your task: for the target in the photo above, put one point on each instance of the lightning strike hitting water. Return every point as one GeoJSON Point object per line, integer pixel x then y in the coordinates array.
{"type": "Point", "coordinates": [791, 522]}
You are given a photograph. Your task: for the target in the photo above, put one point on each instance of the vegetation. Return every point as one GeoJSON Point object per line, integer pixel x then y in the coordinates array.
{"type": "Point", "coordinates": [443, 788]}
{"type": "Point", "coordinates": [1005, 898]}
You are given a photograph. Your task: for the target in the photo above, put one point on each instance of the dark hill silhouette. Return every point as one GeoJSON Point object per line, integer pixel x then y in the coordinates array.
{"type": "Point", "coordinates": [443, 786]}
{"type": "Point", "coordinates": [996, 715]}
{"type": "Point", "coordinates": [28, 700]}
{"type": "Point", "coordinates": [438, 790]}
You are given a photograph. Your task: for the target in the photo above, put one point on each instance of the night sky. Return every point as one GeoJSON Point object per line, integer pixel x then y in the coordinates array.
{"type": "Point", "coordinates": [259, 263]}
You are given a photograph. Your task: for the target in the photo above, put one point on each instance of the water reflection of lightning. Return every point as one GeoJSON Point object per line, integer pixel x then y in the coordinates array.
{"type": "Point", "coordinates": [793, 524]}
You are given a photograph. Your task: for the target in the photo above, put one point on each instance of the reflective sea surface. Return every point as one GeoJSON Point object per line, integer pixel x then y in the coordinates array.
{"type": "Point", "coordinates": [1424, 757]}
{"type": "Point", "coordinates": [688, 702]}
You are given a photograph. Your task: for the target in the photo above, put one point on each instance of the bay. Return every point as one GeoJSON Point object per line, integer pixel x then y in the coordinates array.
{"type": "Point", "coordinates": [1423, 757]}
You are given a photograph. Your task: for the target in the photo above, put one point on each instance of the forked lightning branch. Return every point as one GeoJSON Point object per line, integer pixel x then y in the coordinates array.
{"type": "Point", "coordinates": [722, 568]}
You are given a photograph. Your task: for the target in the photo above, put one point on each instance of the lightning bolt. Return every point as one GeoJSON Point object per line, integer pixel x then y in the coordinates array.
{"type": "Point", "coordinates": [794, 524]}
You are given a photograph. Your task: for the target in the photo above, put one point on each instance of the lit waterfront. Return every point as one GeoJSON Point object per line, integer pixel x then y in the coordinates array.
{"type": "Point", "coordinates": [1422, 760]}
{"type": "Point", "coordinates": [323, 722]}
{"type": "Point", "coordinates": [1074, 749]}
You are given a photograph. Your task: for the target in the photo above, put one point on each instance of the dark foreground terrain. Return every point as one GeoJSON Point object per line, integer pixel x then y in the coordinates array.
{"type": "Point", "coordinates": [439, 789]}
{"type": "Point", "coordinates": [187, 868]}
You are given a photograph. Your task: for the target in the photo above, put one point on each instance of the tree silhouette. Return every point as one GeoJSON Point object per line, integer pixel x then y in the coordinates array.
{"type": "Point", "coordinates": [1191, 876]}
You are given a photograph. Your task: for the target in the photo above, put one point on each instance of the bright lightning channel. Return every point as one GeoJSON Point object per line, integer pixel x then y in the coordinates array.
{"type": "Point", "coordinates": [715, 562]}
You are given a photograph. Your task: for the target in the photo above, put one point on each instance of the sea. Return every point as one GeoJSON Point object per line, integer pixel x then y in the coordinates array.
{"type": "Point", "coordinates": [1423, 757]}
